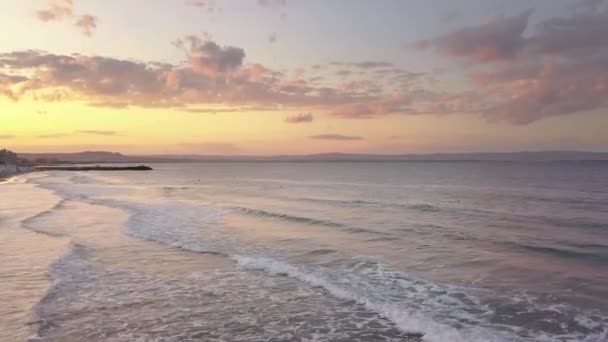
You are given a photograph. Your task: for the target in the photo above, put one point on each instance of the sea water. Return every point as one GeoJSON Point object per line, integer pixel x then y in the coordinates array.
{"type": "Point", "coordinates": [411, 251]}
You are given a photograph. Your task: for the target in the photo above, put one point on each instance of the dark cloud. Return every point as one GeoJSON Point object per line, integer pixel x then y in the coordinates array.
{"type": "Point", "coordinates": [499, 39]}
{"type": "Point", "coordinates": [332, 136]}
{"type": "Point", "coordinates": [580, 33]}
{"type": "Point", "coordinates": [207, 57]}
{"type": "Point", "coordinates": [299, 118]}
{"type": "Point", "coordinates": [559, 68]}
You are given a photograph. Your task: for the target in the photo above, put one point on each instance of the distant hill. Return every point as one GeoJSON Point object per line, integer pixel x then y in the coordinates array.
{"type": "Point", "coordinates": [113, 157]}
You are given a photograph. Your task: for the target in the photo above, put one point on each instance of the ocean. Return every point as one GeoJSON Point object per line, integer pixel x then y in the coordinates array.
{"type": "Point", "coordinates": [245, 251]}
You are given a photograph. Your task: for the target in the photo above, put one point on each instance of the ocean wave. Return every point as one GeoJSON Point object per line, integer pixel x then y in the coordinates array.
{"type": "Point", "coordinates": [423, 207]}
{"type": "Point", "coordinates": [589, 252]}
{"type": "Point", "coordinates": [322, 251]}
{"type": "Point", "coordinates": [441, 313]}
{"type": "Point", "coordinates": [286, 217]}
{"type": "Point", "coordinates": [407, 320]}
{"type": "Point", "coordinates": [31, 223]}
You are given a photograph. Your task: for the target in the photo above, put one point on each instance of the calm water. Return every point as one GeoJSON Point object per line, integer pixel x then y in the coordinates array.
{"type": "Point", "coordinates": [441, 251]}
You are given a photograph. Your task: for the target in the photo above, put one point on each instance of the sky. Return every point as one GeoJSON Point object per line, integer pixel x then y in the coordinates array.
{"type": "Point", "coordinates": [265, 77]}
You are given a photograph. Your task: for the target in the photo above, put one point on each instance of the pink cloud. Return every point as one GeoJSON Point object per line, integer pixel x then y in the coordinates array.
{"type": "Point", "coordinates": [56, 10]}
{"type": "Point", "coordinates": [59, 10]}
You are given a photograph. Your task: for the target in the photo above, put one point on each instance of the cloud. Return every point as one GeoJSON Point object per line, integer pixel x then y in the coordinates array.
{"type": "Point", "coordinates": [373, 64]}
{"type": "Point", "coordinates": [210, 5]}
{"type": "Point", "coordinates": [299, 118]}
{"type": "Point", "coordinates": [212, 110]}
{"type": "Point", "coordinates": [499, 39]}
{"type": "Point", "coordinates": [97, 132]}
{"type": "Point", "coordinates": [56, 10]}
{"type": "Point", "coordinates": [371, 109]}
{"type": "Point", "coordinates": [208, 58]}
{"type": "Point", "coordinates": [538, 81]}
{"type": "Point", "coordinates": [7, 136]}
{"type": "Point", "coordinates": [559, 68]}
{"type": "Point", "coordinates": [59, 10]}
{"type": "Point", "coordinates": [84, 131]}
{"type": "Point", "coordinates": [332, 136]}
{"type": "Point", "coordinates": [53, 135]}
{"type": "Point", "coordinates": [87, 23]}
{"type": "Point", "coordinates": [272, 38]}
{"type": "Point", "coordinates": [212, 75]}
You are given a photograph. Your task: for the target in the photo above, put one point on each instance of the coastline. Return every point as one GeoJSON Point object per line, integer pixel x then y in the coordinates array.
{"type": "Point", "coordinates": [6, 177]}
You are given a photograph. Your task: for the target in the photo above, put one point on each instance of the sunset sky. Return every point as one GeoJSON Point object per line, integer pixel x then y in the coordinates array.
{"type": "Point", "coordinates": [303, 76]}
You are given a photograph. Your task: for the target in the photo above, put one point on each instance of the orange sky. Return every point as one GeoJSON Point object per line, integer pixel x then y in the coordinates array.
{"type": "Point", "coordinates": [183, 78]}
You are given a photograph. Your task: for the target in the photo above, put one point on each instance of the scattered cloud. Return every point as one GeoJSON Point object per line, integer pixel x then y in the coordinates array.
{"type": "Point", "coordinates": [87, 23]}
{"type": "Point", "coordinates": [332, 136]}
{"type": "Point", "coordinates": [519, 72]}
{"type": "Point", "coordinates": [208, 58]}
{"type": "Point", "coordinates": [84, 131]}
{"type": "Point", "coordinates": [373, 64]}
{"type": "Point", "coordinates": [208, 5]}
{"type": "Point", "coordinates": [97, 132]}
{"type": "Point", "coordinates": [56, 10]}
{"type": "Point", "coordinates": [299, 118]}
{"type": "Point", "coordinates": [212, 110]}
{"type": "Point", "coordinates": [53, 135]}
{"type": "Point", "coordinates": [60, 10]}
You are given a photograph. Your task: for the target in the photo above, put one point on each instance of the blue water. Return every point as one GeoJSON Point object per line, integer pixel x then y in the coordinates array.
{"type": "Point", "coordinates": [432, 251]}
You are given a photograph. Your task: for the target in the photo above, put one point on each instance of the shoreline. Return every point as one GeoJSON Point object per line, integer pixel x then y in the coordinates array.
{"type": "Point", "coordinates": [6, 178]}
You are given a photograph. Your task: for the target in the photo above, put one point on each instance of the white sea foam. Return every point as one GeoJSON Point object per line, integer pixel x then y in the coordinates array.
{"type": "Point", "coordinates": [407, 320]}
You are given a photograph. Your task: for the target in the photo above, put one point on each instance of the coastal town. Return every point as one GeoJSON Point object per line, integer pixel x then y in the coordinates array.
{"type": "Point", "coordinates": [9, 163]}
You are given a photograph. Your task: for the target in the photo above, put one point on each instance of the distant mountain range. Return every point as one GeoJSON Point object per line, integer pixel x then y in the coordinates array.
{"type": "Point", "coordinates": [113, 157]}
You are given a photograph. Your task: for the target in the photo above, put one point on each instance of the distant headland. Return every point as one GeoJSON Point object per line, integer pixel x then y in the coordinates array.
{"type": "Point", "coordinates": [97, 157]}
